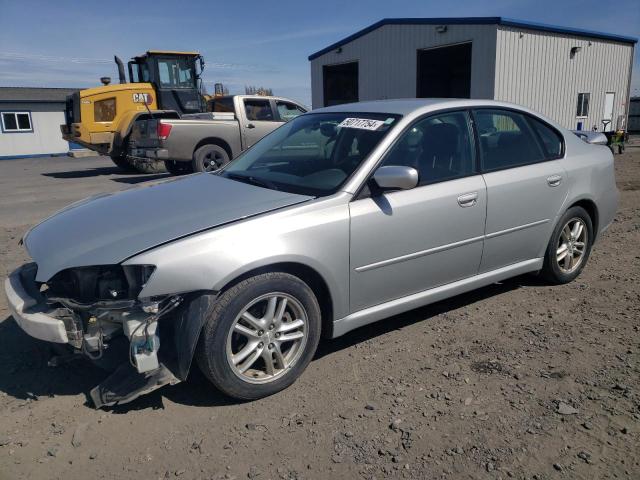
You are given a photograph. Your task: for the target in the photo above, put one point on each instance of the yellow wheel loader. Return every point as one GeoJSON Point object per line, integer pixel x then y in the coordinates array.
{"type": "Point", "coordinates": [161, 84]}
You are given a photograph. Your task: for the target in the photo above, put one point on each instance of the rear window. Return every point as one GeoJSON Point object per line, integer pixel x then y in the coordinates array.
{"type": "Point", "coordinates": [222, 105]}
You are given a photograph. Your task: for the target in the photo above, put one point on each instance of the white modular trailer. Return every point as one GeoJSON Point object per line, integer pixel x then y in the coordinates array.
{"type": "Point", "coordinates": [30, 120]}
{"type": "Point", "coordinates": [579, 78]}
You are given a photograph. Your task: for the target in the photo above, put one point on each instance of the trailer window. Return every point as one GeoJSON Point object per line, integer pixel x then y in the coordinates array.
{"type": "Point", "coordinates": [16, 122]}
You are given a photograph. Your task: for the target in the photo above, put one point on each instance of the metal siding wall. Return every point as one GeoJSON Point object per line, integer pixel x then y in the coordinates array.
{"type": "Point", "coordinates": [388, 59]}
{"type": "Point", "coordinates": [534, 69]}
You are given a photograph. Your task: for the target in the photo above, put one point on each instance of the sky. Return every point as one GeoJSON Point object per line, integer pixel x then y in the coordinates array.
{"type": "Point", "coordinates": [65, 43]}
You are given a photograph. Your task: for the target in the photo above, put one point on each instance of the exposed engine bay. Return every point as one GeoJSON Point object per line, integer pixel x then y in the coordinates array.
{"type": "Point", "coordinates": [100, 309]}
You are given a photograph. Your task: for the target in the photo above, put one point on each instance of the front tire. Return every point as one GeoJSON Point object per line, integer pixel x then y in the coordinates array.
{"type": "Point", "coordinates": [569, 247]}
{"type": "Point", "coordinates": [259, 336]}
{"type": "Point", "coordinates": [209, 157]}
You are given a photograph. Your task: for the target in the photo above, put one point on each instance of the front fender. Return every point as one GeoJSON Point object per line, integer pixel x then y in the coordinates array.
{"type": "Point", "coordinates": [317, 238]}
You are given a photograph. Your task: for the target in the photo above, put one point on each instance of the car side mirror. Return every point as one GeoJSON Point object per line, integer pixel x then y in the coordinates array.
{"type": "Point", "coordinates": [395, 177]}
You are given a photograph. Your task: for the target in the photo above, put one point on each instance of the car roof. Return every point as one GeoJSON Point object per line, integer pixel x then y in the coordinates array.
{"type": "Point", "coordinates": [411, 107]}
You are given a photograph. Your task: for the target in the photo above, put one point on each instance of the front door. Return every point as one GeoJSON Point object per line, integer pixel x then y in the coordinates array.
{"type": "Point", "coordinates": [404, 242]}
{"type": "Point", "coordinates": [260, 120]}
{"type": "Point", "coordinates": [526, 185]}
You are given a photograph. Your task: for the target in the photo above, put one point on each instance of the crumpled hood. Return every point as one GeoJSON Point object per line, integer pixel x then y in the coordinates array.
{"type": "Point", "coordinates": [108, 229]}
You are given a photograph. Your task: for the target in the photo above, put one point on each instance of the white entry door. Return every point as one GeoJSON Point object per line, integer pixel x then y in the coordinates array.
{"type": "Point", "coordinates": [609, 98]}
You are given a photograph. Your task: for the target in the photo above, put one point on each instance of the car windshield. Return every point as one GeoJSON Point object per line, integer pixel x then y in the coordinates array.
{"type": "Point", "coordinates": [313, 154]}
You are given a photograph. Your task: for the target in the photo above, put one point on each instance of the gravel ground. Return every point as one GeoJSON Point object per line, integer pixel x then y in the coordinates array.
{"type": "Point", "coordinates": [515, 380]}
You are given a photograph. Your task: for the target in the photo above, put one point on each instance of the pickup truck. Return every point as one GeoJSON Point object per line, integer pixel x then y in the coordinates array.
{"type": "Point", "coordinates": [203, 142]}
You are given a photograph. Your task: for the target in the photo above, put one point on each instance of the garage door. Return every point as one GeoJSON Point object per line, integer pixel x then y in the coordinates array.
{"type": "Point", "coordinates": [340, 83]}
{"type": "Point", "coordinates": [444, 72]}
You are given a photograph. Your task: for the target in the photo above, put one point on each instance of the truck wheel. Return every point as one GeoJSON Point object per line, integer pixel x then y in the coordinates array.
{"type": "Point", "coordinates": [123, 163]}
{"type": "Point", "coordinates": [259, 335]}
{"type": "Point", "coordinates": [209, 157]}
{"type": "Point", "coordinates": [178, 168]}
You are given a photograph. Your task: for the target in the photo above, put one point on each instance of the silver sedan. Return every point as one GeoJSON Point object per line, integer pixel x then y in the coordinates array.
{"type": "Point", "coordinates": [342, 217]}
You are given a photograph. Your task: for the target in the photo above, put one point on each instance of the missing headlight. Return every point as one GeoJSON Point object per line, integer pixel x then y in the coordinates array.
{"type": "Point", "coordinates": [87, 285]}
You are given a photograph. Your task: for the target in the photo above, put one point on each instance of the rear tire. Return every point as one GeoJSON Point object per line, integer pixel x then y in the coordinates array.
{"type": "Point", "coordinates": [242, 348]}
{"type": "Point", "coordinates": [209, 157]}
{"type": "Point", "coordinates": [569, 247]}
{"type": "Point", "coordinates": [178, 168]}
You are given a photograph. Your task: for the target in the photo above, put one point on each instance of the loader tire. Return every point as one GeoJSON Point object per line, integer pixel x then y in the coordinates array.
{"type": "Point", "coordinates": [122, 163]}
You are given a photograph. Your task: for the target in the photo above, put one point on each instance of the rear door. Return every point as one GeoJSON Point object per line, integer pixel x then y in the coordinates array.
{"type": "Point", "coordinates": [526, 184]}
{"type": "Point", "coordinates": [260, 119]}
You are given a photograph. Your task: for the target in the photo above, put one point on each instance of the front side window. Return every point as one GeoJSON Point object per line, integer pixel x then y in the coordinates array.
{"type": "Point", "coordinates": [506, 140]}
{"type": "Point", "coordinates": [104, 110]}
{"type": "Point", "coordinates": [583, 105]}
{"type": "Point", "coordinates": [288, 111]}
{"type": "Point", "coordinates": [258, 110]}
{"type": "Point", "coordinates": [176, 73]}
{"type": "Point", "coordinates": [313, 154]}
{"type": "Point", "coordinates": [16, 122]}
{"type": "Point", "coordinates": [438, 147]}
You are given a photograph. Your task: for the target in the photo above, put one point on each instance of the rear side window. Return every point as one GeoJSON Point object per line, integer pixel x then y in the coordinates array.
{"type": "Point", "coordinates": [258, 110]}
{"type": "Point", "coordinates": [506, 140]}
{"type": "Point", "coordinates": [551, 139]}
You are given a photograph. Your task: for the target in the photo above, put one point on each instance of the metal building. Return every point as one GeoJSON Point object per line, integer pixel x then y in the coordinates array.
{"type": "Point", "coordinates": [30, 120]}
{"type": "Point", "coordinates": [579, 78]}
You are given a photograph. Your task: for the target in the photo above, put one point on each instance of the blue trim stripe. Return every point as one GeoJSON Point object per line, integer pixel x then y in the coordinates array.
{"type": "Point", "coordinates": [507, 22]}
{"type": "Point", "coordinates": [35, 155]}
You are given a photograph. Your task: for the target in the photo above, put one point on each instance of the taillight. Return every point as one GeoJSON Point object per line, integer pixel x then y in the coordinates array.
{"type": "Point", "coordinates": [164, 129]}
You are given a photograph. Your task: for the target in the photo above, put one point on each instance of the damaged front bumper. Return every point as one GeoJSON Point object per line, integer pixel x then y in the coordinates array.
{"type": "Point", "coordinates": [30, 312]}
{"type": "Point", "coordinates": [89, 330]}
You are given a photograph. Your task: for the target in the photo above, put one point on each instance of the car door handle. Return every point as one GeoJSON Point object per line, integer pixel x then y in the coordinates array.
{"type": "Point", "coordinates": [554, 180]}
{"type": "Point", "coordinates": [250, 125]}
{"type": "Point", "coordinates": [468, 199]}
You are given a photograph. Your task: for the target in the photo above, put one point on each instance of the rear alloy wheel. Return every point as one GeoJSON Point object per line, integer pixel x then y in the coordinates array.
{"type": "Point", "coordinates": [260, 335]}
{"type": "Point", "coordinates": [209, 157]}
{"type": "Point", "coordinates": [569, 247]}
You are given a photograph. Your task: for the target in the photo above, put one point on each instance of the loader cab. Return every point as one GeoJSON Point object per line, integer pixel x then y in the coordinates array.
{"type": "Point", "coordinates": [175, 77]}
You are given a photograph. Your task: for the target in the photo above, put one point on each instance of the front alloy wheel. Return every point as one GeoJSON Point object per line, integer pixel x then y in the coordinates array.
{"type": "Point", "coordinates": [267, 338]}
{"type": "Point", "coordinates": [259, 335]}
